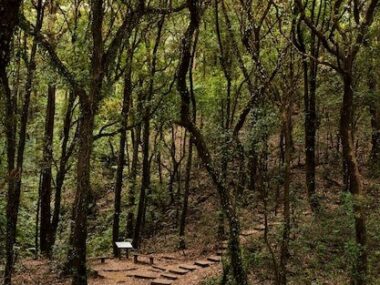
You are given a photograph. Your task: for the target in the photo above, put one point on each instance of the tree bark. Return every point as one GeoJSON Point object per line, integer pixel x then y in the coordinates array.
{"type": "Point", "coordinates": [77, 258]}
{"type": "Point", "coordinates": [14, 185]}
{"type": "Point", "coordinates": [121, 159]}
{"type": "Point", "coordinates": [182, 224]}
{"type": "Point", "coordinates": [66, 152]}
{"type": "Point", "coordinates": [360, 270]}
{"type": "Point", "coordinates": [88, 104]}
{"type": "Point", "coordinates": [132, 183]}
{"type": "Point", "coordinates": [46, 237]}
{"type": "Point", "coordinates": [145, 184]}
{"type": "Point", "coordinates": [8, 20]}
{"type": "Point", "coordinates": [374, 109]}
{"type": "Point", "coordinates": [284, 250]}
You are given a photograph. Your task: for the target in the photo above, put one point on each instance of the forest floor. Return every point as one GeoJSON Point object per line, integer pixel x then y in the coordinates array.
{"type": "Point", "coordinates": [173, 268]}
{"type": "Point", "coordinates": [319, 247]}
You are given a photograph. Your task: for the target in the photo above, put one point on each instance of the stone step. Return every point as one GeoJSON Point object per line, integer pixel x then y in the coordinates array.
{"type": "Point", "coordinates": [220, 252]}
{"type": "Point", "coordinates": [168, 257]}
{"type": "Point", "coordinates": [214, 258]}
{"type": "Point", "coordinates": [161, 282]}
{"type": "Point", "coordinates": [188, 267]}
{"type": "Point", "coordinates": [203, 263]}
{"type": "Point", "coordinates": [159, 267]}
{"type": "Point", "coordinates": [145, 276]}
{"type": "Point", "coordinates": [178, 271]}
{"type": "Point", "coordinates": [169, 276]}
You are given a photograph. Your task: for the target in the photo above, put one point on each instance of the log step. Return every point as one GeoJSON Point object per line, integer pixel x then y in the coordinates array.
{"type": "Point", "coordinates": [202, 263]}
{"type": "Point", "coordinates": [161, 282]}
{"type": "Point", "coordinates": [169, 276]}
{"type": "Point", "coordinates": [188, 267]}
{"type": "Point", "coordinates": [178, 271]}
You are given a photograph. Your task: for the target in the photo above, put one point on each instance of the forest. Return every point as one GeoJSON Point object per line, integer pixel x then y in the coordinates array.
{"type": "Point", "coordinates": [189, 142]}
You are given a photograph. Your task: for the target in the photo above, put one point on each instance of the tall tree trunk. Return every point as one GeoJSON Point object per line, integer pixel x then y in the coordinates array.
{"type": "Point", "coordinates": [310, 72]}
{"type": "Point", "coordinates": [77, 258]}
{"type": "Point", "coordinates": [46, 176]}
{"type": "Point", "coordinates": [374, 109]}
{"type": "Point", "coordinates": [375, 125]}
{"type": "Point", "coordinates": [182, 224]}
{"type": "Point", "coordinates": [310, 88]}
{"type": "Point", "coordinates": [10, 127]}
{"type": "Point", "coordinates": [12, 174]}
{"type": "Point", "coordinates": [360, 270]}
{"type": "Point", "coordinates": [14, 186]}
{"type": "Point", "coordinates": [121, 158]}
{"type": "Point", "coordinates": [284, 250]}
{"type": "Point", "coordinates": [189, 163]}
{"type": "Point", "coordinates": [132, 181]}
{"type": "Point", "coordinates": [145, 184]}
{"type": "Point", "coordinates": [203, 152]}
{"type": "Point", "coordinates": [66, 152]}
{"type": "Point", "coordinates": [89, 104]}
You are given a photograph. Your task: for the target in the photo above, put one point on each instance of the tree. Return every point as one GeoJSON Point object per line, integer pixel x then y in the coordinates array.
{"type": "Point", "coordinates": [203, 152]}
{"type": "Point", "coordinates": [345, 54]}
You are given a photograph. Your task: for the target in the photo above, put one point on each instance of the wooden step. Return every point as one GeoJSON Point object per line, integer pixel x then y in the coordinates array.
{"type": "Point", "coordinates": [203, 263]}
{"type": "Point", "coordinates": [161, 282]}
{"type": "Point", "coordinates": [214, 258]}
{"type": "Point", "coordinates": [169, 276]}
{"type": "Point", "coordinates": [188, 267]}
{"type": "Point", "coordinates": [178, 271]}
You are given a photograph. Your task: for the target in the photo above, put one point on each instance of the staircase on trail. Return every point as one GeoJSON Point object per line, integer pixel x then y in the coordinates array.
{"type": "Point", "coordinates": [172, 269]}
{"type": "Point", "coordinates": [170, 274]}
